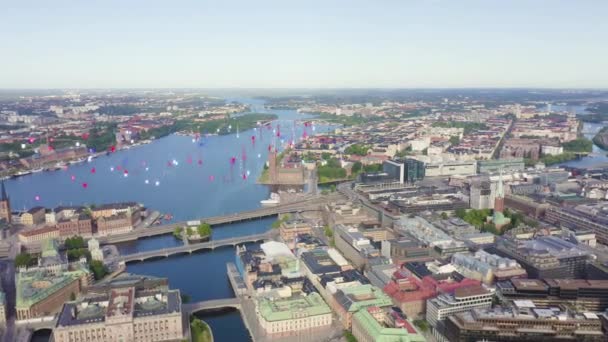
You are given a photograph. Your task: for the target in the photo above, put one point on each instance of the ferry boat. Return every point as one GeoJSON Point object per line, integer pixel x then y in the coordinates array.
{"type": "Point", "coordinates": [274, 199]}
{"type": "Point", "coordinates": [22, 173]}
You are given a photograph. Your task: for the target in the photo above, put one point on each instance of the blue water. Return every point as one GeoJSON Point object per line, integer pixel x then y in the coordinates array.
{"type": "Point", "coordinates": [186, 190]}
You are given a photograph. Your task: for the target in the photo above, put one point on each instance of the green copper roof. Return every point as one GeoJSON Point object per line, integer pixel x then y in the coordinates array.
{"type": "Point", "coordinates": [383, 334]}
{"type": "Point", "coordinates": [363, 296]}
{"type": "Point", "coordinates": [34, 286]}
{"type": "Point", "coordinates": [49, 248]}
{"type": "Point", "coordinates": [293, 307]}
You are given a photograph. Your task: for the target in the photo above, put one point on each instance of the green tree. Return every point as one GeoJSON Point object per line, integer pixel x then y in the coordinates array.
{"type": "Point", "coordinates": [328, 232]}
{"type": "Point", "coordinates": [454, 140]}
{"type": "Point", "coordinates": [98, 268]}
{"type": "Point", "coordinates": [177, 232]}
{"type": "Point", "coordinates": [204, 229]}
{"type": "Point", "coordinates": [349, 336]}
{"type": "Point", "coordinates": [325, 155]}
{"type": "Point", "coordinates": [578, 145]}
{"type": "Point", "coordinates": [444, 215]}
{"type": "Point", "coordinates": [356, 168]}
{"type": "Point", "coordinates": [75, 242]}
{"type": "Point", "coordinates": [24, 260]}
{"type": "Point", "coordinates": [357, 149]}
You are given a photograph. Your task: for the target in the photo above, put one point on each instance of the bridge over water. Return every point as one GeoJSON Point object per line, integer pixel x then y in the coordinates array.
{"type": "Point", "coordinates": [193, 247]}
{"type": "Point", "coordinates": [312, 203]}
{"type": "Point", "coordinates": [191, 308]}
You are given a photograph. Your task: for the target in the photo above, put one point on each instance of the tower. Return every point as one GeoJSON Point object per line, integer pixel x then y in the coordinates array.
{"type": "Point", "coordinates": [5, 205]}
{"type": "Point", "coordinates": [498, 218]}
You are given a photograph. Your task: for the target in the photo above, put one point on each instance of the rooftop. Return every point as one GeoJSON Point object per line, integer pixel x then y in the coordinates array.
{"type": "Point", "coordinates": [292, 307]}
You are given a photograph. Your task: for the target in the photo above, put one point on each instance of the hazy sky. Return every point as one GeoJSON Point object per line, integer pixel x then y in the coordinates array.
{"type": "Point", "coordinates": [303, 43]}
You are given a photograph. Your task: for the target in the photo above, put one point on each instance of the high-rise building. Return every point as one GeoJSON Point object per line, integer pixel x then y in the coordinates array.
{"type": "Point", "coordinates": [5, 205]}
{"type": "Point", "coordinates": [404, 171]}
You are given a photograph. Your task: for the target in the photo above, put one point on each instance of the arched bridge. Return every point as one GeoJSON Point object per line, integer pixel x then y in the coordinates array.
{"type": "Point", "coordinates": [191, 308]}
{"type": "Point", "coordinates": [193, 247]}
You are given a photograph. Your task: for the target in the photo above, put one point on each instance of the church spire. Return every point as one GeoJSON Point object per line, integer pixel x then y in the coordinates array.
{"type": "Point", "coordinates": [499, 190]}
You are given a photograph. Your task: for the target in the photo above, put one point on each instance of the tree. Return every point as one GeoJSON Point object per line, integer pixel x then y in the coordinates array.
{"type": "Point", "coordinates": [177, 232]}
{"type": "Point", "coordinates": [454, 140]}
{"type": "Point", "coordinates": [24, 260]}
{"type": "Point", "coordinates": [357, 149]}
{"type": "Point", "coordinates": [75, 242]}
{"type": "Point", "coordinates": [328, 232]}
{"type": "Point", "coordinates": [204, 229]}
{"type": "Point", "coordinates": [444, 215]}
{"type": "Point", "coordinates": [356, 168]}
{"type": "Point", "coordinates": [98, 268]}
{"type": "Point", "coordinates": [578, 145]}
{"type": "Point", "coordinates": [325, 155]}
{"type": "Point", "coordinates": [72, 296]}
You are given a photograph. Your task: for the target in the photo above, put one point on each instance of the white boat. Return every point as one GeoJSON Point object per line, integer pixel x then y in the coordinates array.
{"type": "Point", "coordinates": [37, 170]}
{"type": "Point", "coordinates": [274, 199]}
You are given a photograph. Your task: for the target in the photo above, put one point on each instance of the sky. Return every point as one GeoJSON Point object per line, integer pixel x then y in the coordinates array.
{"type": "Point", "coordinates": [303, 44]}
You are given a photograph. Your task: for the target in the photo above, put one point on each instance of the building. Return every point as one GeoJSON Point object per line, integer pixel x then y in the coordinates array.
{"type": "Point", "coordinates": [524, 324]}
{"type": "Point", "coordinates": [584, 295]}
{"type": "Point", "coordinates": [496, 165]}
{"type": "Point", "coordinates": [450, 168]}
{"type": "Point", "coordinates": [5, 206]}
{"type": "Point", "coordinates": [411, 294]}
{"type": "Point", "coordinates": [526, 205]}
{"type": "Point", "coordinates": [117, 224]}
{"type": "Point", "coordinates": [113, 209]}
{"type": "Point", "coordinates": [80, 224]}
{"type": "Point", "coordinates": [294, 315]}
{"type": "Point", "coordinates": [498, 218]}
{"type": "Point", "coordinates": [42, 293]}
{"type": "Point", "coordinates": [487, 268]}
{"type": "Point", "coordinates": [355, 247]}
{"type": "Point", "coordinates": [461, 300]}
{"type": "Point", "coordinates": [291, 228]}
{"type": "Point", "coordinates": [589, 217]}
{"type": "Point", "coordinates": [374, 324]}
{"type": "Point", "coordinates": [34, 216]}
{"type": "Point", "coordinates": [96, 252]}
{"type": "Point", "coordinates": [354, 298]}
{"type": "Point", "coordinates": [405, 249]}
{"type": "Point", "coordinates": [128, 310]}
{"type": "Point", "coordinates": [404, 171]}
{"type": "Point", "coordinates": [546, 257]}
{"type": "Point", "coordinates": [38, 234]}
{"type": "Point", "coordinates": [481, 195]}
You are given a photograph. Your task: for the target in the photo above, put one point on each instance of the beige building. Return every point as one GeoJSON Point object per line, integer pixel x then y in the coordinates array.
{"type": "Point", "coordinates": [127, 312]}
{"type": "Point", "coordinates": [289, 229]}
{"type": "Point", "coordinates": [38, 234]}
{"type": "Point", "coordinates": [33, 216]}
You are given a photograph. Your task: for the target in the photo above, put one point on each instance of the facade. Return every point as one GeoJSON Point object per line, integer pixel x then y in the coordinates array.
{"type": "Point", "coordinates": [354, 245]}
{"type": "Point", "coordinates": [584, 295]}
{"type": "Point", "coordinates": [123, 312]}
{"type": "Point", "coordinates": [450, 168]}
{"type": "Point", "coordinates": [354, 298]}
{"type": "Point", "coordinates": [463, 299]}
{"type": "Point", "coordinates": [42, 293]}
{"type": "Point", "coordinates": [374, 324]}
{"type": "Point", "coordinates": [593, 218]}
{"type": "Point", "coordinates": [526, 205]}
{"type": "Point", "coordinates": [524, 324]}
{"type": "Point", "coordinates": [113, 209]}
{"type": "Point", "coordinates": [546, 257]}
{"type": "Point", "coordinates": [496, 165]}
{"type": "Point", "coordinates": [34, 216]}
{"type": "Point", "coordinates": [487, 267]}
{"type": "Point", "coordinates": [117, 224]}
{"type": "Point", "coordinates": [75, 225]}
{"type": "Point", "coordinates": [294, 315]}
{"type": "Point", "coordinates": [5, 206]}
{"type": "Point", "coordinates": [38, 234]}
{"type": "Point", "coordinates": [292, 228]}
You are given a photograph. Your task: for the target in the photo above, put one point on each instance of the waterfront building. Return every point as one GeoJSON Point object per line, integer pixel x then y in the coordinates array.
{"type": "Point", "coordinates": [546, 256]}
{"type": "Point", "coordinates": [42, 292]}
{"type": "Point", "coordinates": [496, 165]}
{"type": "Point", "coordinates": [584, 295]}
{"type": "Point", "coordinates": [33, 216]}
{"type": "Point", "coordinates": [294, 315]}
{"type": "Point", "coordinates": [5, 205]}
{"type": "Point", "coordinates": [38, 234]}
{"type": "Point", "coordinates": [354, 298]}
{"type": "Point", "coordinates": [461, 300]}
{"type": "Point", "coordinates": [113, 209]}
{"type": "Point", "coordinates": [294, 227]}
{"type": "Point", "coordinates": [524, 324]}
{"type": "Point", "coordinates": [125, 309]}
{"type": "Point", "coordinates": [487, 268]}
{"type": "Point", "coordinates": [373, 324]}
{"type": "Point", "coordinates": [117, 224]}
{"type": "Point", "coordinates": [78, 224]}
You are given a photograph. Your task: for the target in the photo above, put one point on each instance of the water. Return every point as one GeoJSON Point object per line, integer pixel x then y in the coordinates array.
{"type": "Point", "coordinates": [186, 190]}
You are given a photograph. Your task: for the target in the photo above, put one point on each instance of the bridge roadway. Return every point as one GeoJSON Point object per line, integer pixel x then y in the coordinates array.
{"type": "Point", "coordinates": [191, 308]}
{"type": "Point", "coordinates": [193, 247]}
{"type": "Point", "coordinates": [312, 203]}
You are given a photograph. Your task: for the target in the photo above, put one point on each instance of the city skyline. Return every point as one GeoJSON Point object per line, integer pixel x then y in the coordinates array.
{"type": "Point", "coordinates": [313, 45]}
